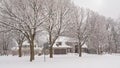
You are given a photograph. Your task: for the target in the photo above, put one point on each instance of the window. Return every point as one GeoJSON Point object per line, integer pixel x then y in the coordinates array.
{"type": "Point", "coordinates": [58, 43]}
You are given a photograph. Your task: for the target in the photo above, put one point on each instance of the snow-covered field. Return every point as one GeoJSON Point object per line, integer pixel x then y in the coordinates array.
{"type": "Point", "coordinates": [62, 61]}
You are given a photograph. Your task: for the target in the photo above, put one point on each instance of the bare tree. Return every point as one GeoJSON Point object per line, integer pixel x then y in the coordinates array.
{"type": "Point", "coordinates": [24, 16]}
{"type": "Point", "coordinates": [113, 35]}
{"type": "Point", "coordinates": [58, 18]}
{"type": "Point", "coordinates": [115, 38]}
{"type": "Point", "coordinates": [5, 41]}
{"type": "Point", "coordinates": [81, 20]}
{"type": "Point", "coordinates": [19, 38]}
{"type": "Point", "coordinates": [98, 33]}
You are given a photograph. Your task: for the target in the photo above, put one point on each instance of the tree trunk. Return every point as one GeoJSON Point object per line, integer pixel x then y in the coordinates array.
{"type": "Point", "coordinates": [51, 52]}
{"type": "Point", "coordinates": [32, 51]}
{"type": "Point", "coordinates": [20, 50]}
{"type": "Point", "coordinates": [115, 48]}
{"type": "Point", "coordinates": [80, 51]}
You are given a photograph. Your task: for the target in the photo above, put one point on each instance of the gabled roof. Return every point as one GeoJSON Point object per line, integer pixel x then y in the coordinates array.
{"type": "Point", "coordinates": [84, 46]}
{"type": "Point", "coordinates": [63, 41]}
{"type": "Point", "coordinates": [61, 46]}
{"type": "Point", "coordinates": [66, 39]}
{"type": "Point", "coordinates": [26, 43]}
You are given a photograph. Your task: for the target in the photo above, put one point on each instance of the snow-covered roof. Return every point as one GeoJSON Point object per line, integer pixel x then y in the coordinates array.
{"type": "Point", "coordinates": [66, 39]}
{"type": "Point", "coordinates": [61, 46]}
{"type": "Point", "coordinates": [26, 43]}
{"type": "Point", "coordinates": [16, 48]}
{"type": "Point", "coordinates": [84, 46]}
{"type": "Point", "coordinates": [63, 41]}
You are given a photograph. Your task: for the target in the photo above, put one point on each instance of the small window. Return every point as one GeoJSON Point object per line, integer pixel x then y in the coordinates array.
{"type": "Point", "coordinates": [58, 43]}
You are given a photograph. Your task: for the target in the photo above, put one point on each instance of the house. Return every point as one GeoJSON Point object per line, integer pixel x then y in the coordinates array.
{"type": "Point", "coordinates": [64, 45]}
{"type": "Point", "coordinates": [26, 49]}
{"type": "Point", "coordinates": [60, 47]}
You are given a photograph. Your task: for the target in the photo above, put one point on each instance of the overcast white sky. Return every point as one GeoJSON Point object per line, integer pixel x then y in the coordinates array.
{"type": "Point", "coordinates": [108, 8]}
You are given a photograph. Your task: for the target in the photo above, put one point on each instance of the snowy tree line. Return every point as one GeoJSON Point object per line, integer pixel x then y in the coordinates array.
{"type": "Point", "coordinates": [25, 19]}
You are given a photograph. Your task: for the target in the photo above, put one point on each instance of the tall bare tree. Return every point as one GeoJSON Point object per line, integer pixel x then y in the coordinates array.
{"type": "Point", "coordinates": [81, 21]}
{"type": "Point", "coordinates": [98, 35]}
{"type": "Point", "coordinates": [24, 16]}
{"type": "Point", "coordinates": [58, 18]}
{"type": "Point", "coordinates": [114, 34]}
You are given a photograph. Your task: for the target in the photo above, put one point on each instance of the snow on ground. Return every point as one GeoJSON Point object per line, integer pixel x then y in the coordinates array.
{"type": "Point", "coordinates": [62, 61]}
